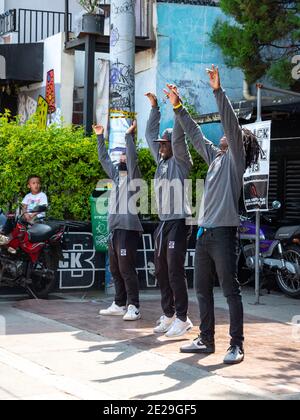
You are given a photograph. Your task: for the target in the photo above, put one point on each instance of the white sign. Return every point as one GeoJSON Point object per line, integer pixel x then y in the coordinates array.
{"type": "Point", "coordinates": [256, 178]}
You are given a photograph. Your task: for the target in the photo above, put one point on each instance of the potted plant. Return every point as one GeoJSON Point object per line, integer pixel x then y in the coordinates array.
{"type": "Point", "coordinates": [93, 19]}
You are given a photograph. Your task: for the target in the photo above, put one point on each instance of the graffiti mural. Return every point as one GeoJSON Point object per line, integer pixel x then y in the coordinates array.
{"type": "Point", "coordinates": [50, 92]}
{"type": "Point", "coordinates": [114, 35]}
{"type": "Point", "coordinates": [126, 7]}
{"type": "Point", "coordinates": [26, 108]}
{"type": "Point", "coordinates": [122, 73]}
{"type": "Point", "coordinates": [122, 86]}
{"type": "Point", "coordinates": [42, 112]}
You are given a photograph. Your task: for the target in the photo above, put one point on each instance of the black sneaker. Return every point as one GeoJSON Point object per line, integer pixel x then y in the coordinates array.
{"type": "Point", "coordinates": [197, 346]}
{"type": "Point", "coordinates": [234, 356]}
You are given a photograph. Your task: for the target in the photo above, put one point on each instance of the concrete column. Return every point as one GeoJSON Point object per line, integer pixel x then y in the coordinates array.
{"type": "Point", "coordinates": [122, 71]}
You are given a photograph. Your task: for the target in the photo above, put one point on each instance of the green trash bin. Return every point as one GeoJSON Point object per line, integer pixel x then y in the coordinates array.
{"type": "Point", "coordinates": [99, 214]}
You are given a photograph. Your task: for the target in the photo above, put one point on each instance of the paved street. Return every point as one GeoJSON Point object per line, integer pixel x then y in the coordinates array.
{"type": "Point", "coordinates": [61, 349]}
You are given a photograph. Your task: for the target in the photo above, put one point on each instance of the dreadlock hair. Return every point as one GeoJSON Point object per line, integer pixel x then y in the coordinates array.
{"type": "Point", "coordinates": [253, 149]}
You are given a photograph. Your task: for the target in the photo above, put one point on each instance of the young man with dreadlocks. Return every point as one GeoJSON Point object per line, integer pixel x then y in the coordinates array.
{"type": "Point", "coordinates": [217, 244]}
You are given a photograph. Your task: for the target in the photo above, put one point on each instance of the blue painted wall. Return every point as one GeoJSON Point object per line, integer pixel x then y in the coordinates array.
{"type": "Point", "coordinates": [184, 53]}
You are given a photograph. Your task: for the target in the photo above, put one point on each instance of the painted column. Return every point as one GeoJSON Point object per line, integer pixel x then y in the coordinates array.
{"type": "Point", "coordinates": [122, 71]}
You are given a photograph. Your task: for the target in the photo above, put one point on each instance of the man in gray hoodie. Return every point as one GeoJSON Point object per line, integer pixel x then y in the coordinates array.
{"type": "Point", "coordinates": [217, 245]}
{"type": "Point", "coordinates": [174, 164]}
{"type": "Point", "coordinates": [124, 226]}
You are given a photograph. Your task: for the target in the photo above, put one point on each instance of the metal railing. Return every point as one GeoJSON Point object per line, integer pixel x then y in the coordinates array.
{"type": "Point", "coordinates": [36, 25]}
{"type": "Point", "coordinates": [8, 22]}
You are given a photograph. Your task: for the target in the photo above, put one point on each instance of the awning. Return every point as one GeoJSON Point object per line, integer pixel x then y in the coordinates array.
{"type": "Point", "coordinates": [21, 63]}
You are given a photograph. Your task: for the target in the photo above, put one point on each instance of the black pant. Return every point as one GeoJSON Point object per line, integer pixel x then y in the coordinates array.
{"type": "Point", "coordinates": [217, 255]}
{"type": "Point", "coordinates": [123, 247]}
{"type": "Point", "coordinates": [171, 241]}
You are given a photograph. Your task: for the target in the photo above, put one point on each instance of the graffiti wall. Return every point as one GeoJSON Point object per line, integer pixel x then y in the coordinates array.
{"type": "Point", "coordinates": [57, 87]}
{"type": "Point", "coordinates": [184, 53]}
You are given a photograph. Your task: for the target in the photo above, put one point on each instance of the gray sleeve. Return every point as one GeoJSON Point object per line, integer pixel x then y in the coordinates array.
{"type": "Point", "coordinates": [105, 160]}
{"type": "Point", "coordinates": [180, 147]}
{"type": "Point", "coordinates": [132, 158]}
{"type": "Point", "coordinates": [152, 132]}
{"type": "Point", "coordinates": [203, 146]}
{"type": "Point", "coordinates": [231, 125]}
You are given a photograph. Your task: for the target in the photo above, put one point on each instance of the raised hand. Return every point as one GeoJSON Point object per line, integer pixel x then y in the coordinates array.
{"type": "Point", "coordinates": [172, 94]}
{"type": "Point", "coordinates": [152, 98]}
{"type": "Point", "coordinates": [132, 128]}
{"type": "Point", "coordinates": [98, 129]}
{"type": "Point", "coordinates": [214, 77]}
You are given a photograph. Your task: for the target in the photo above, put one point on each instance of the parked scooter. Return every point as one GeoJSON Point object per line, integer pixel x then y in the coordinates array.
{"type": "Point", "coordinates": [279, 254]}
{"type": "Point", "coordinates": [31, 257]}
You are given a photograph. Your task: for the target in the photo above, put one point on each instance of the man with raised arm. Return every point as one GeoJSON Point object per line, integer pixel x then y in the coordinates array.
{"type": "Point", "coordinates": [124, 226]}
{"type": "Point", "coordinates": [174, 164]}
{"type": "Point", "coordinates": [217, 244]}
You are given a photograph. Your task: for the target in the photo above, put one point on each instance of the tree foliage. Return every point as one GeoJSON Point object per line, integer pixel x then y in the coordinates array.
{"type": "Point", "coordinates": [262, 40]}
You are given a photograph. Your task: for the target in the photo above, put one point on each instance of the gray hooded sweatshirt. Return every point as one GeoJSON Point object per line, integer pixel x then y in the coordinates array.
{"type": "Point", "coordinates": [119, 215]}
{"type": "Point", "coordinates": [172, 196]}
{"type": "Point", "coordinates": [220, 203]}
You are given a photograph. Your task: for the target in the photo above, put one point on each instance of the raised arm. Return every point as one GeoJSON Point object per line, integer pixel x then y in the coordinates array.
{"type": "Point", "coordinates": [153, 126]}
{"type": "Point", "coordinates": [131, 154]}
{"type": "Point", "coordinates": [231, 126]}
{"type": "Point", "coordinates": [203, 146]}
{"type": "Point", "coordinates": [104, 158]}
{"type": "Point", "coordinates": [180, 147]}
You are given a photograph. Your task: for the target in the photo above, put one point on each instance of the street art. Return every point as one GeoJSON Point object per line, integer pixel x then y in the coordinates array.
{"type": "Point", "coordinates": [55, 118]}
{"type": "Point", "coordinates": [81, 266]}
{"type": "Point", "coordinates": [50, 92]}
{"type": "Point", "coordinates": [126, 7]}
{"type": "Point", "coordinates": [122, 86]}
{"type": "Point", "coordinates": [42, 112]}
{"type": "Point", "coordinates": [122, 73]}
{"type": "Point", "coordinates": [27, 107]}
{"type": "Point", "coordinates": [114, 35]}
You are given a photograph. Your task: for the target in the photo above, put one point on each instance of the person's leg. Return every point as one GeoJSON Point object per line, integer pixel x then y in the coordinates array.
{"type": "Point", "coordinates": [225, 255]}
{"type": "Point", "coordinates": [177, 242]}
{"type": "Point", "coordinates": [161, 272]}
{"type": "Point", "coordinates": [204, 280]}
{"type": "Point", "coordinates": [127, 253]}
{"type": "Point", "coordinates": [114, 246]}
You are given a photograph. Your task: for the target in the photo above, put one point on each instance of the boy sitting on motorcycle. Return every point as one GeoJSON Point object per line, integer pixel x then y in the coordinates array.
{"type": "Point", "coordinates": [35, 198]}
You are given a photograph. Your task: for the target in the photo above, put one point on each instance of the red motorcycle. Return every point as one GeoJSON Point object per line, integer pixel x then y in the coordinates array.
{"type": "Point", "coordinates": [32, 256]}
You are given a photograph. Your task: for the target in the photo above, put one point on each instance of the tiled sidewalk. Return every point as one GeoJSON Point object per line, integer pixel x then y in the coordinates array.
{"type": "Point", "coordinates": [272, 361]}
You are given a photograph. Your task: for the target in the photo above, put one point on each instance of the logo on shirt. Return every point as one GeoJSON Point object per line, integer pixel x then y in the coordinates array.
{"type": "Point", "coordinates": [172, 245]}
{"type": "Point", "coordinates": [123, 252]}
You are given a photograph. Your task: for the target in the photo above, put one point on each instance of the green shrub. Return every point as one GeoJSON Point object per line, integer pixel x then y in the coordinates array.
{"type": "Point", "coordinates": [65, 159]}
{"type": "Point", "coordinates": [67, 162]}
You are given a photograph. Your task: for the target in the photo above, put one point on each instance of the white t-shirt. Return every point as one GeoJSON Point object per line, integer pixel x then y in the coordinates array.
{"type": "Point", "coordinates": [31, 201]}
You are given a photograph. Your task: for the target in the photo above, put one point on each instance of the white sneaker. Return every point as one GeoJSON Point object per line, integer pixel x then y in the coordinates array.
{"type": "Point", "coordinates": [113, 310]}
{"type": "Point", "coordinates": [160, 319]}
{"type": "Point", "coordinates": [179, 328]}
{"type": "Point", "coordinates": [164, 325]}
{"type": "Point", "coordinates": [132, 314]}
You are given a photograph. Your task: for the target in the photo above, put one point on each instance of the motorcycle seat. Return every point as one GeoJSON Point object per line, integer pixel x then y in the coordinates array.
{"type": "Point", "coordinates": [287, 232]}
{"type": "Point", "coordinates": [41, 233]}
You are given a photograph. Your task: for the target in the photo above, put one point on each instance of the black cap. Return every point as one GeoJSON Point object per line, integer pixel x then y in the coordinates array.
{"type": "Point", "coordinates": [166, 137]}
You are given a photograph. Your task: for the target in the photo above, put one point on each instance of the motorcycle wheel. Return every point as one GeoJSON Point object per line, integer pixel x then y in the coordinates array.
{"type": "Point", "coordinates": [41, 287]}
{"type": "Point", "coordinates": [288, 283]}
